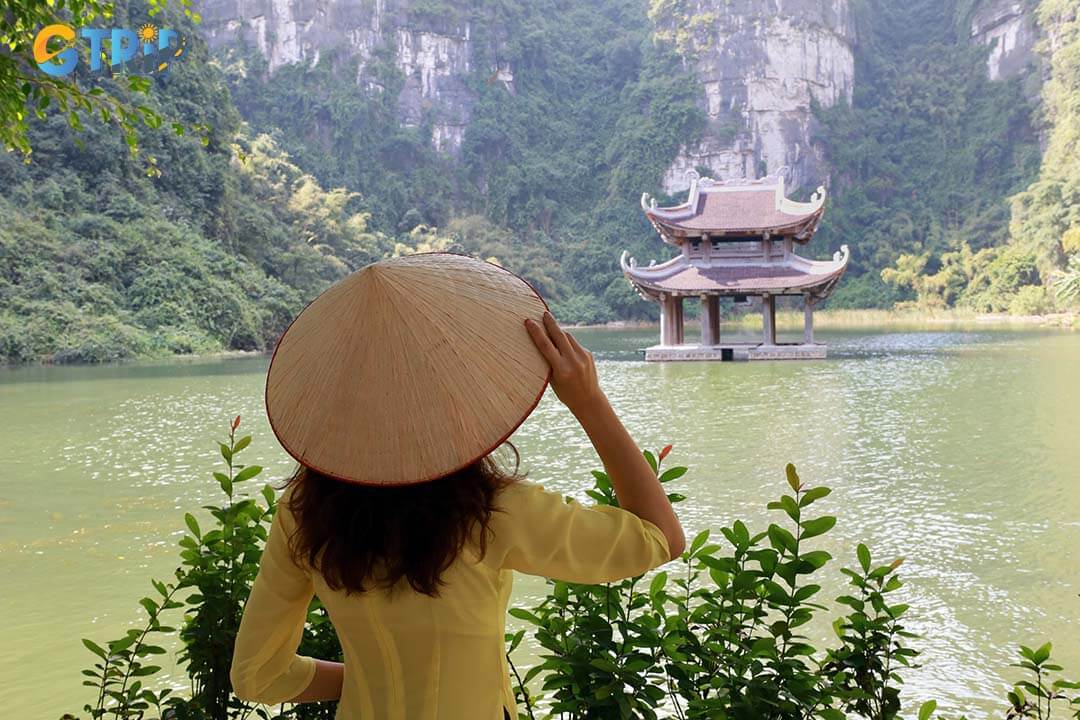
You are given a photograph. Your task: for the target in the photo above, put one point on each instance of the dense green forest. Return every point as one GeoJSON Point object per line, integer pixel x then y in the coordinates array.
{"type": "Point", "coordinates": [937, 168]}
{"type": "Point", "coordinates": [195, 245]}
{"type": "Point", "coordinates": [928, 153]}
{"type": "Point", "coordinates": [1046, 216]}
{"type": "Point", "coordinates": [189, 245]}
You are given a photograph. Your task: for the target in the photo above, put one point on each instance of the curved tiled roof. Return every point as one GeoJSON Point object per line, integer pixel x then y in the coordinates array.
{"type": "Point", "coordinates": [736, 207]}
{"type": "Point", "coordinates": [795, 275]}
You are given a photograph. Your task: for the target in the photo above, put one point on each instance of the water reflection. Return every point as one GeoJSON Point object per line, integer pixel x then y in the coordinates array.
{"type": "Point", "coordinates": [953, 449]}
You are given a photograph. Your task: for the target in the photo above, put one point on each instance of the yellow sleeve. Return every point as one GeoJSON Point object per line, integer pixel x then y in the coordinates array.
{"type": "Point", "coordinates": [265, 666]}
{"type": "Point", "coordinates": [540, 534]}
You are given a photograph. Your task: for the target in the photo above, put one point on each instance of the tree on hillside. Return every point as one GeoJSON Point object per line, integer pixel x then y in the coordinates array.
{"type": "Point", "coordinates": [1046, 216]}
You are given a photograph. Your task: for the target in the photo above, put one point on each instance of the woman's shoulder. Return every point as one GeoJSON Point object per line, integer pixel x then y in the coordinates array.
{"type": "Point", "coordinates": [540, 532]}
{"type": "Point", "coordinates": [517, 505]}
{"type": "Point", "coordinates": [523, 506]}
{"type": "Point", "coordinates": [521, 494]}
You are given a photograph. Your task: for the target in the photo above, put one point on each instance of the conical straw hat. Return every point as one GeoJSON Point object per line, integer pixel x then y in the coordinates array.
{"type": "Point", "coordinates": [407, 370]}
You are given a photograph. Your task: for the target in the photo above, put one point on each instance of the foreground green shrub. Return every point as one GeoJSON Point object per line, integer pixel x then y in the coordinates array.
{"type": "Point", "coordinates": [211, 586]}
{"type": "Point", "coordinates": [725, 632]}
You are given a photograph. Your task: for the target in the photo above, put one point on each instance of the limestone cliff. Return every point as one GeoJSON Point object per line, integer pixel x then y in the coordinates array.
{"type": "Point", "coordinates": [761, 64]}
{"type": "Point", "coordinates": [1009, 28]}
{"type": "Point", "coordinates": [433, 54]}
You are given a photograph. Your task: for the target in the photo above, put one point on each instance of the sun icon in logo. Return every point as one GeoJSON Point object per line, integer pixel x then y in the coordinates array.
{"type": "Point", "coordinates": [148, 34]}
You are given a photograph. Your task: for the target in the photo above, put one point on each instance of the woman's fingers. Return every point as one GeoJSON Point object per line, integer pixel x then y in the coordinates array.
{"type": "Point", "coordinates": [561, 349]}
{"type": "Point", "coordinates": [558, 336]}
{"type": "Point", "coordinates": [576, 345]}
{"type": "Point", "coordinates": [542, 342]}
{"type": "Point", "coordinates": [573, 374]}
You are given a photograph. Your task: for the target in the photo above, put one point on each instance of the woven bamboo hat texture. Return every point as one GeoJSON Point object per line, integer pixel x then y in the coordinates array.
{"type": "Point", "coordinates": [407, 370]}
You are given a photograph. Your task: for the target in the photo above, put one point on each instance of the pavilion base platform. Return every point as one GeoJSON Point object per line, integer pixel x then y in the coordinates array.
{"type": "Point", "coordinates": [736, 352]}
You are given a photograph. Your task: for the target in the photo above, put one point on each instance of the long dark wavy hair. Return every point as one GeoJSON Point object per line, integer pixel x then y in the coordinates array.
{"type": "Point", "coordinates": [361, 537]}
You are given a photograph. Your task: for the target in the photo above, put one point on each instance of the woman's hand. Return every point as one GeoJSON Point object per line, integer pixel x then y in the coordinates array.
{"type": "Point", "coordinates": [573, 372]}
{"type": "Point", "coordinates": [573, 377]}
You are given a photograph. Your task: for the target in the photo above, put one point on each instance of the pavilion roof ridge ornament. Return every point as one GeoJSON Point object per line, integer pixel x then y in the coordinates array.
{"type": "Point", "coordinates": [630, 265]}
{"type": "Point", "coordinates": [793, 207]}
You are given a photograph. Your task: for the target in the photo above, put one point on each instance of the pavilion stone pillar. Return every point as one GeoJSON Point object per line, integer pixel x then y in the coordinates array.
{"type": "Point", "coordinates": [808, 320]}
{"type": "Point", "coordinates": [710, 320]}
{"type": "Point", "coordinates": [768, 317]}
{"type": "Point", "coordinates": [665, 320]}
{"type": "Point", "coordinates": [677, 326]}
{"type": "Point", "coordinates": [671, 320]}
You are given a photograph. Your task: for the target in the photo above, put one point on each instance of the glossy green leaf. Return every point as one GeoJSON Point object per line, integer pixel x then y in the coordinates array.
{"type": "Point", "coordinates": [817, 526]}
{"type": "Point", "coordinates": [247, 473]}
{"type": "Point", "coordinates": [864, 557]}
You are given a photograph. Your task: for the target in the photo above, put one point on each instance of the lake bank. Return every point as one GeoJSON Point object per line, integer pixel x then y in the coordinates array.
{"type": "Point", "coordinates": [877, 318]}
{"type": "Point", "coordinates": [786, 320]}
{"type": "Point", "coordinates": [142, 359]}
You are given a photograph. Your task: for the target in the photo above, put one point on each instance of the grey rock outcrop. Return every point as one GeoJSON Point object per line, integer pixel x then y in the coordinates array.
{"type": "Point", "coordinates": [761, 64]}
{"type": "Point", "coordinates": [433, 54]}
{"type": "Point", "coordinates": [1009, 28]}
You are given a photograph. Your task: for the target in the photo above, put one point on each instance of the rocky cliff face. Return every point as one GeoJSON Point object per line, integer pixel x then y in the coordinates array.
{"type": "Point", "coordinates": [1009, 28]}
{"type": "Point", "coordinates": [433, 54]}
{"type": "Point", "coordinates": [761, 64]}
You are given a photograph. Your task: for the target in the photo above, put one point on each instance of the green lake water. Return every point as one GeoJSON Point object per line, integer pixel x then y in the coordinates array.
{"type": "Point", "coordinates": [956, 449]}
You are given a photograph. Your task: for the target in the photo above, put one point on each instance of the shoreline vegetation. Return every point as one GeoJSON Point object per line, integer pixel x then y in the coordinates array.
{"type": "Point", "coordinates": [786, 320]}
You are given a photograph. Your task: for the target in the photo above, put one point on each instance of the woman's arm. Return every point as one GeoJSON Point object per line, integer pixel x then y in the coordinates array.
{"type": "Point", "coordinates": [573, 377]}
{"type": "Point", "coordinates": [266, 667]}
{"type": "Point", "coordinates": [326, 685]}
